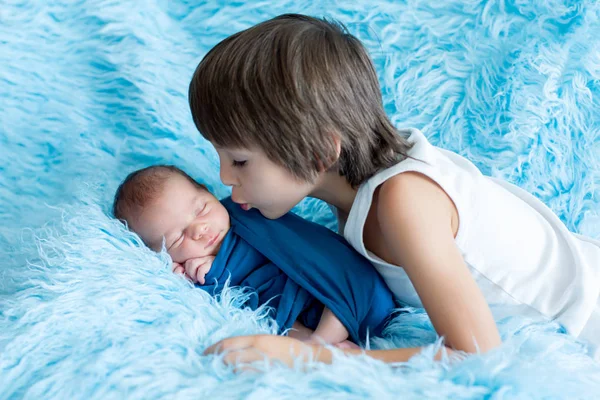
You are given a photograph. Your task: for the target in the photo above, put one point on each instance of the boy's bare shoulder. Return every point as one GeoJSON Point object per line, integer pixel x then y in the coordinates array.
{"type": "Point", "coordinates": [411, 185]}
{"type": "Point", "coordinates": [409, 193]}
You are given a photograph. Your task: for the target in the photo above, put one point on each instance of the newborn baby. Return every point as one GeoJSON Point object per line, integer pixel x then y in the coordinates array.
{"type": "Point", "coordinates": [309, 276]}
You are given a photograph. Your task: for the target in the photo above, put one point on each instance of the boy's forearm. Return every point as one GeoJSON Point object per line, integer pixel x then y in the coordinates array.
{"type": "Point", "coordinates": [325, 355]}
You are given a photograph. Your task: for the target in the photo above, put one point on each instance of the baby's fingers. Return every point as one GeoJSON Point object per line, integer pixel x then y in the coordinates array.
{"type": "Point", "coordinates": [191, 268]}
{"type": "Point", "coordinates": [178, 269]}
{"type": "Point", "coordinates": [202, 271]}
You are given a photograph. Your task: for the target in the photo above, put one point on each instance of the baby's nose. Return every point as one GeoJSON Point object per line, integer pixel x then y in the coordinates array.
{"type": "Point", "coordinates": [199, 231]}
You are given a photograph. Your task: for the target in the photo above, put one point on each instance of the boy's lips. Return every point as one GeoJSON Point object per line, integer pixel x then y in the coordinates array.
{"type": "Point", "coordinates": [244, 206]}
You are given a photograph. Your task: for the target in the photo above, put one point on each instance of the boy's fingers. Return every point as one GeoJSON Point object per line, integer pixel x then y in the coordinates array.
{"type": "Point", "coordinates": [245, 356]}
{"type": "Point", "coordinates": [230, 344]}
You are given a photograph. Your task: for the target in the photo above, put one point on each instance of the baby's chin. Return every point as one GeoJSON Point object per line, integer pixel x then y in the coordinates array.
{"type": "Point", "coordinates": [217, 248]}
{"type": "Point", "coordinates": [219, 242]}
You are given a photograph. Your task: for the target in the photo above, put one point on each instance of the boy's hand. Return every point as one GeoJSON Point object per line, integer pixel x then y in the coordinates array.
{"type": "Point", "coordinates": [197, 268]}
{"type": "Point", "coordinates": [247, 349]}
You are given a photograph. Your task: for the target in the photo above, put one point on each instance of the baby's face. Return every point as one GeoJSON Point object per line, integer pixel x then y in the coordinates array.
{"type": "Point", "coordinates": [191, 220]}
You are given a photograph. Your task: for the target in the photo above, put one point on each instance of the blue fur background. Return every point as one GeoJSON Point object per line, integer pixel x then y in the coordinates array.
{"type": "Point", "coordinates": [91, 90]}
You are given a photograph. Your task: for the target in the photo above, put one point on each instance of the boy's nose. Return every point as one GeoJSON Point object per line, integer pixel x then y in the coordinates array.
{"type": "Point", "coordinates": [227, 176]}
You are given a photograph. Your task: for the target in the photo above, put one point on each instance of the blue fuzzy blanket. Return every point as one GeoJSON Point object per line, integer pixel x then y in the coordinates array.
{"type": "Point", "coordinates": [93, 89]}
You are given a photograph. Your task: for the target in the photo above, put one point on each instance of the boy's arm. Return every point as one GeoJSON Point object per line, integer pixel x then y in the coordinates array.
{"type": "Point", "coordinates": [421, 239]}
{"type": "Point", "coordinates": [247, 349]}
{"type": "Point", "coordinates": [330, 330]}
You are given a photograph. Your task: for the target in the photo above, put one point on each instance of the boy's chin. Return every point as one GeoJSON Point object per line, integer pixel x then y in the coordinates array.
{"type": "Point", "coordinates": [271, 214]}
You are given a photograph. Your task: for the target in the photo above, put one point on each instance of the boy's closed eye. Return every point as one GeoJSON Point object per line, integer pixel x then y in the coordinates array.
{"type": "Point", "coordinates": [236, 163]}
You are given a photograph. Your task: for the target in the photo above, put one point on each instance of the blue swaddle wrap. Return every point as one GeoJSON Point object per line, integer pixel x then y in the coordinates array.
{"type": "Point", "coordinates": [298, 267]}
{"type": "Point", "coordinates": [245, 266]}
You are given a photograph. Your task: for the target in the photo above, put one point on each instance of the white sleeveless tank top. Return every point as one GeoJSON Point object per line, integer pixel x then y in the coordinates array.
{"type": "Point", "coordinates": [517, 249]}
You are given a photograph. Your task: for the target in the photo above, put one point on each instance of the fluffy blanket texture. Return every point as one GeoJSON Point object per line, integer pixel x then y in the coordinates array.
{"type": "Point", "coordinates": [93, 89]}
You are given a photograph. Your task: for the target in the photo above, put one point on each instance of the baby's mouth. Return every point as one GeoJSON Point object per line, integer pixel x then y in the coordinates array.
{"type": "Point", "coordinates": [212, 241]}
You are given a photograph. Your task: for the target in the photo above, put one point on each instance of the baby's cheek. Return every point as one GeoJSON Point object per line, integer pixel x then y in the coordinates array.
{"type": "Point", "coordinates": [192, 249]}
{"type": "Point", "coordinates": [177, 256]}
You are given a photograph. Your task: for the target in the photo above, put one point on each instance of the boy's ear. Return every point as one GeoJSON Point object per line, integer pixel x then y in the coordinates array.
{"type": "Point", "coordinates": [337, 142]}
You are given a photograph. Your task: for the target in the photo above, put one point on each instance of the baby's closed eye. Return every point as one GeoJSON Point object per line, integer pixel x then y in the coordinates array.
{"type": "Point", "coordinates": [203, 209]}
{"type": "Point", "coordinates": [177, 242]}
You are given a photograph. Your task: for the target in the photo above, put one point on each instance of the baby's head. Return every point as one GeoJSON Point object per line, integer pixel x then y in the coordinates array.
{"type": "Point", "coordinates": [164, 202]}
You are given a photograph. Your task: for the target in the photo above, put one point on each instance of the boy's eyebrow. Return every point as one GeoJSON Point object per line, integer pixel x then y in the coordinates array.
{"type": "Point", "coordinates": [233, 149]}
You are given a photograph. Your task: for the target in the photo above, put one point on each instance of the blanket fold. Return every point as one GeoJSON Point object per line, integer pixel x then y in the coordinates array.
{"type": "Point", "coordinates": [297, 267]}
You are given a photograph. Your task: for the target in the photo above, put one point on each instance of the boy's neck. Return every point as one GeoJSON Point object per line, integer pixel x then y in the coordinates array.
{"type": "Point", "coordinates": [335, 190]}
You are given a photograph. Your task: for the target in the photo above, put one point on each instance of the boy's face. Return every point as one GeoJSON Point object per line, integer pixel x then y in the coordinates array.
{"type": "Point", "coordinates": [191, 220]}
{"type": "Point", "coordinates": [259, 183]}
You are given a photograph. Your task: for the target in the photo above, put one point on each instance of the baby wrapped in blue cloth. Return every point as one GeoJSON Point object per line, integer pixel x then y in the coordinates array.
{"type": "Point", "coordinates": [308, 276]}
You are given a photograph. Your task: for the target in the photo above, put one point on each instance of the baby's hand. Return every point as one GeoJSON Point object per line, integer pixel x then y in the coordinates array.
{"type": "Point", "coordinates": [197, 268]}
{"type": "Point", "coordinates": [178, 268]}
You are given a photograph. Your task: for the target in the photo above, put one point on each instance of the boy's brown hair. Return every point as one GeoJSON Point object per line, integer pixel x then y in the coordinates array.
{"type": "Point", "coordinates": [289, 86]}
{"type": "Point", "coordinates": [142, 187]}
